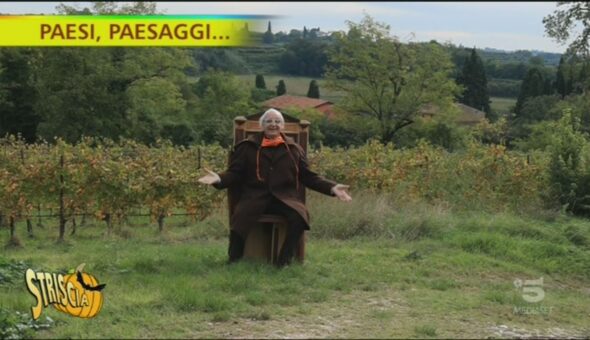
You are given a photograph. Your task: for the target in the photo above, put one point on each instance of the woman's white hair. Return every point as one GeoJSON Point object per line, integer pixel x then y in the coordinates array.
{"type": "Point", "coordinates": [263, 117]}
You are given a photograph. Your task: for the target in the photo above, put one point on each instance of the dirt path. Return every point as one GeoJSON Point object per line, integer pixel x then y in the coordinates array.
{"type": "Point", "coordinates": [376, 314]}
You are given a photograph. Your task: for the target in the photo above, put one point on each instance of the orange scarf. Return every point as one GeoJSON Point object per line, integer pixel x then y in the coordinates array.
{"type": "Point", "coordinates": [271, 143]}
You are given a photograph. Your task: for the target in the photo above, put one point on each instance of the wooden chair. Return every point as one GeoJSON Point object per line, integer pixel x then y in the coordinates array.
{"type": "Point", "coordinates": [265, 240]}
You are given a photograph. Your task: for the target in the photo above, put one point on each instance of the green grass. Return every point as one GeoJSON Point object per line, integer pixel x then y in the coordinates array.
{"type": "Point", "coordinates": [296, 86]}
{"type": "Point", "coordinates": [374, 268]}
{"type": "Point", "coordinates": [502, 105]}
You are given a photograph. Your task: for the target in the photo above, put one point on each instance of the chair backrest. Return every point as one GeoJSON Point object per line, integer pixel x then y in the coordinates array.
{"type": "Point", "coordinates": [246, 126]}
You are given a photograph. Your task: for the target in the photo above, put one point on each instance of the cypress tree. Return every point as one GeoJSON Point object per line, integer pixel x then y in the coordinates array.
{"type": "Point", "coordinates": [281, 88]}
{"type": "Point", "coordinates": [533, 85]}
{"type": "Point", "coordinates": [268, 37]}
{"type": "Point", "coordinates": [585, 77]}
{"type": "Point", "coordinates": [314, 90]}
{"type": "Point", "coordinates": [260, 83]}
{"type": "Point", "coordinates": [560, 82]}
{"type": "Point", "coordinates": [473, 78]}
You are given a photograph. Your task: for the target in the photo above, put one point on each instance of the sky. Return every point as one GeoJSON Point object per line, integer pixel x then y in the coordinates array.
{"type": "Point", "coordinates": [502, 25]}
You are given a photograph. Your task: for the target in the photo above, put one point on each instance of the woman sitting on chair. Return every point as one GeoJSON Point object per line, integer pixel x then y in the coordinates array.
{"type": "Point", "coordinates": [270, 169]}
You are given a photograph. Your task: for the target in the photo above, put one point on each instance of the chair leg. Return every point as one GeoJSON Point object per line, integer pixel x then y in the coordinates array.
{"type": "Point", "coordinates": [300, 255]}
{"type": "Point", "coordinates": [274, 245]}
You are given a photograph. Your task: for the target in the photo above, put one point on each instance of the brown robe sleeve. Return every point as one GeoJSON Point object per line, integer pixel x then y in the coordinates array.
{"type": "Point", "coordinates": [236, 170]}
{"type": "Point", "coordinates": [311, 179]}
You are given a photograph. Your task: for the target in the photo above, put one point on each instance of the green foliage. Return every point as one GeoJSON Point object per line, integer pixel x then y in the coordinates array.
{"type": "Point", "coordinates": [560, 83]}
{"type": "Point", "coordinates": [314, 90]}
{"type": "Point", "coordinates": [569, 169]}
{"type": "Point", "coordinates": [536, 109]}
{"type": "Point", "coordinates": [260, 83]}
{"type": "Point", "coordinates": [110, 8]}
{"type": "Point", "coordinates": [504, 87]}
{"type": "Point", "coordinates": [440, 130]}
{"type": "Point", "coordinates": [259, 95]}
{"type": "Point", "coordinates": [387, 80]}
{"type": "Point", "coordinates": [111, 92]}
{"type": "Point", "coordinates": [315, 117]}
{"type": "Point", "coordinates": [281, 88]}
{"type": "Point", "coordinates": [563, 23]}
{"type": "Point", "coordinates": [505, 70]}
{"type": "Point", "coordinates": [345, 129]}
{"type": "Point", "coordinates": [473, 79]}
{"type": "Point", "coordinates": [17, 94]}
{"type": "Point", "coordinates": [12, 272]}
{"type": "Point", "coordinates": [219, 59]}
{"type": "Point", "coordinates": [533, 85]}
{"type": "Point", "coordinates": [20, 325]}
{"type": "Point", "coordinates": [538, 117]}
{"type": "Point", "coordinates": [261, 59]}
{"type": "Point", "coordinates": [491, 133]}
{"type": "Point", "coordinates": [478, 177]}
{"type": "Point", "coordinates": [268, 37]}
{"type": "Point", "coordinates": [153, 103]}
{"type": "Point", "coordinates": [222, 97]}
{"type": "Point", "coordinates": [580, 106]}
{"type": "Point", "coordinates": [304, 57]}
{"type": "Point", "coordinates": [106, 179]}
{"type": "Point", "coordinates": [540, 136]}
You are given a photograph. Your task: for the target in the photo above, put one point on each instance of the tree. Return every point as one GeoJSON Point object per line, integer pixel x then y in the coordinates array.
{"type": "Point", "coordinates": [139, 93]}
{"type": "Point", "coordinates": [564, 22]}
{"type": "Point", "coordinates": [153, 104]}
{"type": "Point", "coordinates": [111, 7]}
{"type": "Point", "coordinates": [260, 83]}
{"type": "Point", "coordinates": [77, 97]}
{"type": "Point", "coordinates": [560, 81]}
{"type": "Point", "coordinates": [111, 92]}
{"type": "Point", "coordinates": [473, 78]}
{"type": "Point", "coordinates": [267, 37]}
{"type": "Point", "coordinates": [533, 85]}
{"type": "Point", "coordinates": [569, 166]}
{"type": "Point", "coordinates": [222, 97]}
{"type": "Point", "coordinates": [314, 90]}
{"type": "Point", "coordinates": [388, 81]}
{"type": "Point", "coordinates": [281, 88]}
{"type": "Point", "coordinates": [17, 94]}
{"type": "Point", "coordinates": [304, 57]}
{"type": "Point", "coordinates": [580, 75]}
{"type": "Point", "coordinates": [313, 33]}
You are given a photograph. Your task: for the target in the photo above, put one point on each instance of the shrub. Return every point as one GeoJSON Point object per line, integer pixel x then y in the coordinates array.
{"type": "Point", "coordinates": [569, 167]}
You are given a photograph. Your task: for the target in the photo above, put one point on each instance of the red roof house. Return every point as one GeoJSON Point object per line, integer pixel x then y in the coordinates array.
{"type": "Point", "coordinates": [286, 101]}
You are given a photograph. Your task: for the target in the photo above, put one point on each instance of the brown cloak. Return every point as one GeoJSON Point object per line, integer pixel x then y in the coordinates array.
{"type": "Point", "coordinates": [261, 173]}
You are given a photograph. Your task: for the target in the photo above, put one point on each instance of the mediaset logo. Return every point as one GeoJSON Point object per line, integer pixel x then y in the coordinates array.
{"type": "Point", "coordinates": [532, 293]}
{"type": "Point", "coordinates": [77, 293]}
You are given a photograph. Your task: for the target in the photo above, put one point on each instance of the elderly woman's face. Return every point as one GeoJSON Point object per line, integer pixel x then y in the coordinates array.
{"type": "Point", "coordinates": [272, 125]}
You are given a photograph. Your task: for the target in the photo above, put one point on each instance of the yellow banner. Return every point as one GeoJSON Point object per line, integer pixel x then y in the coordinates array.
{"type": "Point", "coordinates": [160, 30]}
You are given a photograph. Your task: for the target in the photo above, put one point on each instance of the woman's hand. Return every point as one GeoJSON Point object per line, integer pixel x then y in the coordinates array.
{"type": "Point", "coordinates": [210, 178]}
{"type": "Point", "coordinates": [340, 191]}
